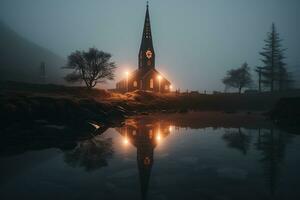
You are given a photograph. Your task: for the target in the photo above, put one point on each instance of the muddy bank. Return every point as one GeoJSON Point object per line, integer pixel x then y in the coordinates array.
{"type": "Point", "coordinates": [209, 119]}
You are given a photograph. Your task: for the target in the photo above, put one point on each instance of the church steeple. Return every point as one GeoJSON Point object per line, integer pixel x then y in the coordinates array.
{"type": "Point", "coordinates": [146, 54]}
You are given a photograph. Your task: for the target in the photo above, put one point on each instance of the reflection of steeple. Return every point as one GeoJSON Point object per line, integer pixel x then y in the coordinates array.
{"type": "Point", "coordinates": [145, 149]}
{"type": "Point", "coordinates": [144, 136]}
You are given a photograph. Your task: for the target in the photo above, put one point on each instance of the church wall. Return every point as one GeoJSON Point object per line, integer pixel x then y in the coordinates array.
{"type": "Point", "coordinates": [144, 84]}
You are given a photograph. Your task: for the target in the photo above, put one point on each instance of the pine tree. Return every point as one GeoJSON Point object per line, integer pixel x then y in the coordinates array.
{"type": "Point", "coordinates": [273, 72]}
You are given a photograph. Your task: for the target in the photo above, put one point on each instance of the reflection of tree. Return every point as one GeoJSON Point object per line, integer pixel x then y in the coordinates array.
{"type": "Point", "coordinates": [90, 154]}
{"type": "Point", "coordinates": [238, 140]}
{"type": "Point", "coordinates": [272, 146]}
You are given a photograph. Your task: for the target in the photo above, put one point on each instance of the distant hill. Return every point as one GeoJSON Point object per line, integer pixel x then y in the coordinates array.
{"type": "Point", "coordinates": [20, 59]}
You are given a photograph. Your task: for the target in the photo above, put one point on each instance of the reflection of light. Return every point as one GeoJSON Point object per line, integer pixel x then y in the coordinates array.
{"type": "Point", "coordinates": [170, 128]}
{"type": "Point", "coordinates": [158, 137]}
{"type": "Point", "coordinates": [125, 141]}
{"type": "Point", "coordinates": [147, 161]}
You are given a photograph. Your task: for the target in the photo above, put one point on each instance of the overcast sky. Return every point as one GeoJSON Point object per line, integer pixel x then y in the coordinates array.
{"type": "Point", "coordinates": [196, 41]}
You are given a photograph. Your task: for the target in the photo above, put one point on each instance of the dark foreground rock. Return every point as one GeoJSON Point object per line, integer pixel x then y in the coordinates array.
{"type": "Point", "coordinates": [286, 114]}
{"type": "Point", "coordinates": [58, 110]}
{"type": "Point", "coordinates": [287, 110]}
{"type": "Point", "coordinates": [39, 122]}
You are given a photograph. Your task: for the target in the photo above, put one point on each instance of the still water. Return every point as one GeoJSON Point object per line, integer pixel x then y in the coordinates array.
{"type": "Point", "coordinates": [157, 158]}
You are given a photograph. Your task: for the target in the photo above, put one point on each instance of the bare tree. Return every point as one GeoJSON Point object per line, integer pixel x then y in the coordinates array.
{"type": "Point", "coordinates": [238, 78]}
{"type": "Point", "coordinates": [92, 67]}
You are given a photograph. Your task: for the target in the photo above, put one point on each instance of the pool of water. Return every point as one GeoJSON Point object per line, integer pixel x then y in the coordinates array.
{"type": "Point", "coordinates": [159, 159]}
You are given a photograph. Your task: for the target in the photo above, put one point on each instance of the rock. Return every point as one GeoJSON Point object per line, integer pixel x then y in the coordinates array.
{"type": "Point", "coordinates": [287, 110]}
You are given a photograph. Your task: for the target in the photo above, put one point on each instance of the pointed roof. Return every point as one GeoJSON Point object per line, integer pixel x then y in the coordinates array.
{"type": "Point", "coordinates": [144, 175]}
{"type": "Point", "coordinates": [147, 35]}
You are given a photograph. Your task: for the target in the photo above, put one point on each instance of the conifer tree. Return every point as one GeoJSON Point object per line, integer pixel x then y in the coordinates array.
{"type": "Point", "coordinates": [273, 72]}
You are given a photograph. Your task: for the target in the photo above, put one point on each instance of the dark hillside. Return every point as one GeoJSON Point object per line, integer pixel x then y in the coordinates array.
{"type": "Point", "coordinates": [20, 59]}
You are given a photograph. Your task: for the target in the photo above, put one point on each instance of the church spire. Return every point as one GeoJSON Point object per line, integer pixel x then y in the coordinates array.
{"type": "Point", "coordinates": [146, 55]}
{"type": "Point", "coordinates": [147, 35]}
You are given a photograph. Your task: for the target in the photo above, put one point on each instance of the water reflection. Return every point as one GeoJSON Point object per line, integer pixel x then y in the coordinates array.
{"type": "Point", "coordinates": [272, 145]}
{"type": "Point", "coordinates": [237, 139]}
{"type": "Point", "coordinates": [90, 154]}
{"type": "Point", "coordinates": [197, 158]}
{"type": "Point", "coordinates": [144, 137]}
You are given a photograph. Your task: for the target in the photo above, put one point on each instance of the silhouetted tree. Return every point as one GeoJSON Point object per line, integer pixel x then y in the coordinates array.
{"type": "Point", "coordinates": [92, 67]}
{"type": "Point", "coordinates": [90, 154]}
{"type": "Point", "coordinates": [273, 71]}
{"type": "Point", "coordinates": [238, 78]}
{"type": "Point", "coordinates": [272, 144]}
{"type": "Point", "coordinates": [237, 140]}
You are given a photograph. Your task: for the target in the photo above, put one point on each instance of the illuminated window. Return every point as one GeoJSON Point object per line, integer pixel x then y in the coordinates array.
{"type": "Point", "coordinates": [150, 134]}
{"type": "Point", "coordinates": [134, 84]}
{"type": "Point", "coordinates": [151, 83]}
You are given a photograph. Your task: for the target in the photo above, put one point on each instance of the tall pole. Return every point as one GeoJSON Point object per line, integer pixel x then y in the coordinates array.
{"type": "Point", "coordinates": [259, 70]}
{"type": "Point", "coordinates": [259, 80]}
{"type": "Point", "coordinates": [43, 72]}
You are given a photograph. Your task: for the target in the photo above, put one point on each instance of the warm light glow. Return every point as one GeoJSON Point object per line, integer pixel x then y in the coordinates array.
{"type": "Point", "coordinates": [159, 77]}
{"type": "Point", "coordinates": [158, 137]}
{"type": "Point", "coordinates": [127, 80]}
{"type": "Point", "coordinates": [147, 161]}
{"type": "Point", "coordinates": [170, 128]}
{"type": "Point", "coordinates": [171, 87]}
{"type": "Point", "coordinates": [148, 54]}
{"type": "Point", "coordinates": [125, 141]}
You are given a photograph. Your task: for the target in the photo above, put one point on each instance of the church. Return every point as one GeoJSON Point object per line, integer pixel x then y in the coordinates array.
{"type": "Point", "coordinates": [146, 77]}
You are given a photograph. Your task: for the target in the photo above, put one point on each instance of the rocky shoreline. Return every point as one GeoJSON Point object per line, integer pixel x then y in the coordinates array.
{"type": "Point", "coordinates": [74, 107]}
{"type": "Point", "coordinates": [33, 120]}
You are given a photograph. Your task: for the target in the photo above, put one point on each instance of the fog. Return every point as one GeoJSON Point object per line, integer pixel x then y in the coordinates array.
{"type": "Point", "coordinates": [196, 41]}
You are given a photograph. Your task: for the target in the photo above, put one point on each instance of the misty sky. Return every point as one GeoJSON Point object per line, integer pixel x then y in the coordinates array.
{"type": "Point", "coordinates": [196, 41]}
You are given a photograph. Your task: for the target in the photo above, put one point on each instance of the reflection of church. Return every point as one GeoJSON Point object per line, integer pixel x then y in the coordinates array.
{"type": "Point", "coordinates": [145, 137]}
{"type": "Point", "coordinates": [146, 77]}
